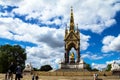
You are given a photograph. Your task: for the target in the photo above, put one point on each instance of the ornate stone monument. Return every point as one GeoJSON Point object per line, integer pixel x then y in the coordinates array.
{"type": "Point", "coordinates": [72, 40]}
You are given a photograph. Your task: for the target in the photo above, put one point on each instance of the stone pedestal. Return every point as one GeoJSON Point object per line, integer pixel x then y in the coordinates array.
{"type": "Point", "coordinates": [80, 65]}
{"type": "Point", "coordinates": [72, 61]}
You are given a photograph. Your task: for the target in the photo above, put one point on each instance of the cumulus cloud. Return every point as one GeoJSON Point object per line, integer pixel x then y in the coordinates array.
{"type": "Point", "coordinates": [103, 66]}
{"type": "Point", "coordinates": [110, 62]}
{"type": "Point", "coordinates": [94, 56]}
{"type": "Point", "coordinates": [10, 2]}
{"type": "Point", "coordinates": [95, 17]}
{"type": "Point", "coordinates": [111, 43]}
{"type": "Point", "coordinates": [84, 41]}
{"type": "Point", "coordinates": [44, 55]}
{"type": "Point", "coordinates": [98, 66]}
{"type": "Point", "coordinates": [15, 29]}
{"type": "Point", "coordinates": [53, 36]}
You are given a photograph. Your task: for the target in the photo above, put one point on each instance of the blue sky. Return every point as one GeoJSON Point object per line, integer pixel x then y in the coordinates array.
{"type": "Point", "coordinates": [39, 26]}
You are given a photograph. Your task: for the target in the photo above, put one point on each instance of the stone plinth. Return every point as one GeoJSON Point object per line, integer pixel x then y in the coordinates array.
{"type": "Point", "coordinates": [80, 65]}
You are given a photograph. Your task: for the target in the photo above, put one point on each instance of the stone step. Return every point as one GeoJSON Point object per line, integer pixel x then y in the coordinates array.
{"type": "Point", "coordinates": [71, 70]}
{"type": "Point", "coordinates": [79, 78]}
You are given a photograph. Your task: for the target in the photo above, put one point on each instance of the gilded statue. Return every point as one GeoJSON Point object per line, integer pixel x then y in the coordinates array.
{"type": "Point", "coordinates": [72, 55]}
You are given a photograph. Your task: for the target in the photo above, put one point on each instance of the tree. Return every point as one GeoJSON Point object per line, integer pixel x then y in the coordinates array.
{"type": "Point", "coordinates": [3, 61]}
{"type": "Point", "coordinates": [36, 69]}
{"type": "Point", "coordinates": [9, 53]}
{"type": "Point", "coordinates": [108, 67]}
{"type": "Point", "coordinates": [88, 67]}
{"type": "Point", "coordinates": [46, 68]}
{"type": "Point", "coordinates": [95, 69]}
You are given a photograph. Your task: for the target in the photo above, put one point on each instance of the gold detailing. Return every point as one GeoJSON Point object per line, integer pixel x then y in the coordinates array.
{"type": "Point", "coordinates": [72, 55]}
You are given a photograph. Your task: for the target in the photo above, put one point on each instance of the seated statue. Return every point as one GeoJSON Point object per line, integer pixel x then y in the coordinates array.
{"type": "Point", "coordinates": [72, 58]}
{"type": "Point", "coordinates": [72, 55]}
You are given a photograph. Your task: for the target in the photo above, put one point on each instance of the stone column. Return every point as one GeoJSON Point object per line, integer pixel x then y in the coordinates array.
{"type": "Point", "coordinates": [66, 56]}
{"type": "Point", "coordinates": [78, 55]}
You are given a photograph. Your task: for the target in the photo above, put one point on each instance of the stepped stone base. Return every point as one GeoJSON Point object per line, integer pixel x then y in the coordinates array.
{"type": "Point", "coordinates": [72, 66]}
{"type": "Point", "coordinates": [72, 70]}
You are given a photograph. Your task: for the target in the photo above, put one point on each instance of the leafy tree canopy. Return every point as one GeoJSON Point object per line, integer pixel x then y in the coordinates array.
{"type": "Point", "coordinates": [108, 67]}
{"type": "Point", "coordinates": [95, 69]}
{"type": "Point", "coordinates": [36, 69]}
{"type": "Point", "coordinates": [88, 67]}
{"type": "Point", "coordinates": [46, 68]}
{"type": "Point", "coordinates": [9, 53]}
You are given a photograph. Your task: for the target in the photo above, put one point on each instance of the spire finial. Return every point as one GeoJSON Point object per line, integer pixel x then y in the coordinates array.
{"type": "Point", "coordinates": [66, 26]}
{"type": "Point", "coordinates": [71, 8]}
{"type": "Point", "coordinates": [71, 20]}
{"type": "Point", "coordinates": [77, 26]}
{"type": "Point", "coordinates": [77, 29]}
{"type": "Point", "coordinates": [66, 30]}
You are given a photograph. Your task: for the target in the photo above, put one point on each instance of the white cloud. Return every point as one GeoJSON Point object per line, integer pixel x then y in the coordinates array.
{"type": "Point", "coordinates": [110, 62]}
{"type": "Point", "coordinates": [103, 66]}
{"type": "Point", "coordinates": [95, 17]}
{"type": "Point", "coordinates": [99, 66]}
{"type": "Point", "coordinates": [10, 2]}
{"type": "Point", "coordinates": [111, 43]}
{"type": "Point", "coordinates": [84, 41]}
{"type": "Point", "coordinates": [94, 56]}
{"type": "Point", "coordinates": [15, 29]}
{"type": "Point", "coordinates": [44, 55]}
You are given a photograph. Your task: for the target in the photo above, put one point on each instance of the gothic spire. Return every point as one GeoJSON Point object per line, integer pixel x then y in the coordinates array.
{"type": "Point", "coordinates": [66, 30]}
{"type": "Point", "coordinates": [71, 20]}
{"type": "Point", "coordinates": [78, 33]}
{"type": "Point", "coordinates": [77, 28]}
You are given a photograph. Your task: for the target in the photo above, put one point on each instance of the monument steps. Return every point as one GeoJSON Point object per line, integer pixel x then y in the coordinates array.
{"type": "Point", "coordinates": [71, 70]}
{"type": "Point", "coordinates": [79, 78]}
{"type": "Point", "coordinates": [41, 77]}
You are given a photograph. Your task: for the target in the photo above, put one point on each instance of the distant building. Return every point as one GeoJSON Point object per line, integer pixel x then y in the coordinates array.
{"type": "Point", "coordinates": [115, 68]}
{"type": "Point", "coordinates": [28, 69]}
